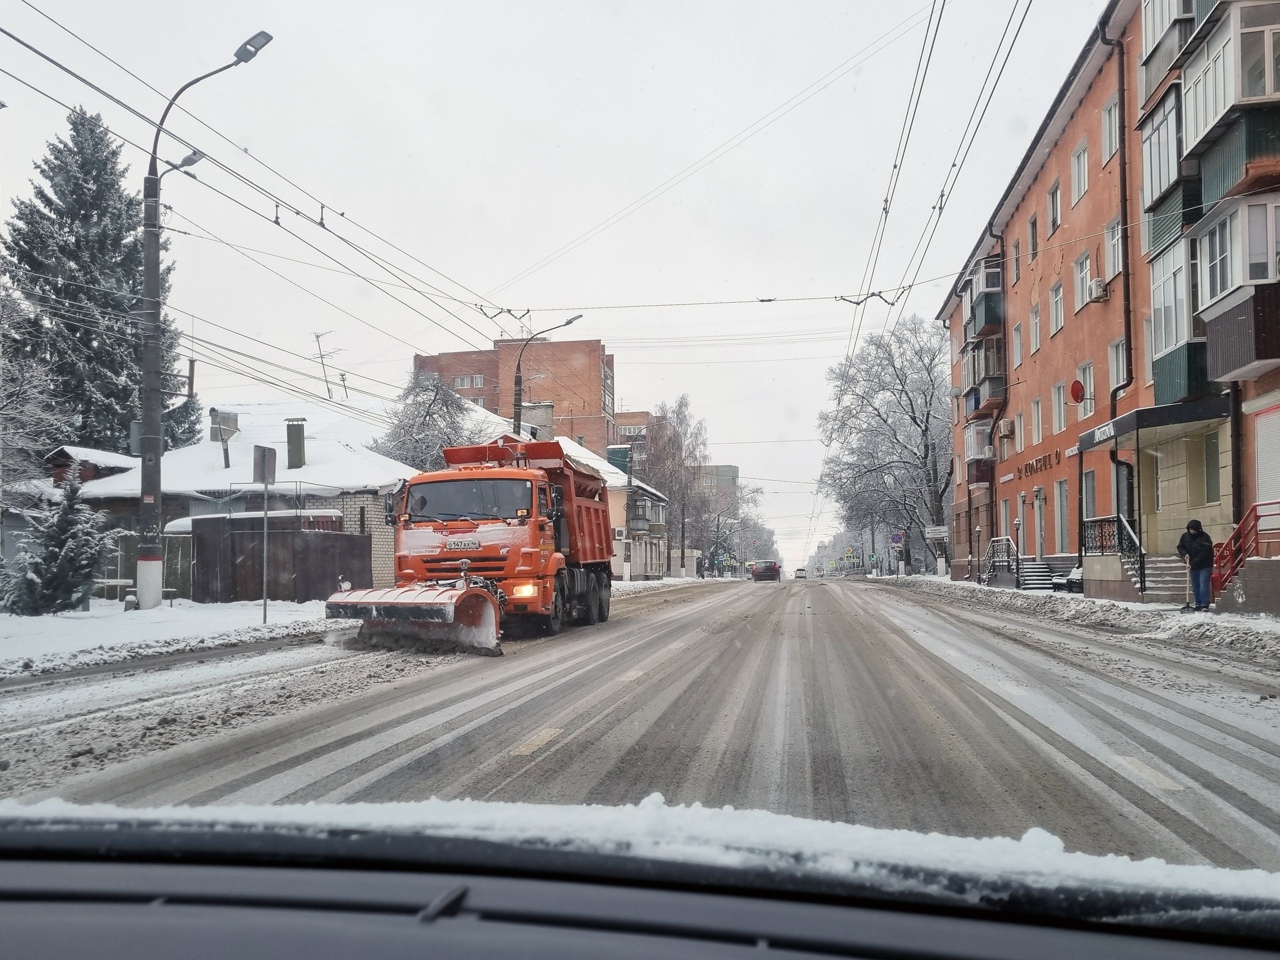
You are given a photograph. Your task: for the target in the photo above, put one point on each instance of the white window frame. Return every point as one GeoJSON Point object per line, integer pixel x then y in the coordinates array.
{"type": "Point", "coordinates": [1017, 260]}
{"type": "Point", "coordinates": [1169, 322]}
{"type": "Point", "coordinates": [1110, 128]}
{"type": "Point", "coordinates": [1149, 356]}
{"type": "Point", "coordinates": [1209, 83]}
{"type": "Point", "coordinates": [1056, 312]}
{"type": "Point", "coordinates": [1035, 327]}
{"type": "Point", "coordinates": [1062, 516]}
{"type": "Point", "coordinates": [1114, 252]}
{"type": "Point", "coordinates": [1019, 438]}
{"type": "Point", "coordinates": [1115, 361]}
{"type": "Point", "coordinates": [1017, 345]}
{"type": "Point", "coordinates": [1084, 373]}
{"type": "Point", "coordinates": [1083, 274]}
{"type": "Point", "coordinates": [1079, 172]}
{"type": "Point", "coordinates": [1220, 258]}
{"type": "Point", "coordinates": [462, 383]}
{"type": "Point", "coordinates": [1055, 207]}
{"type": "Point", "coordinates": [1059, 406]}
{"type": "Point", "coordinates": [1090, 486]}
{"type": "Point", "coordinates": [1160, 150]}
{"type": "Point", "coordinates": [1033, 238]}
{"type": "Point", "coordinates": [1037, 422]}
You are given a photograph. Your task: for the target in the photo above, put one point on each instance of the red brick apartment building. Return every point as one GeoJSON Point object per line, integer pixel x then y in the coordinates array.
{"type": "Point", "coordinates": [575, 375]}
{"type": "Point", "coordinates": [1137, 251]}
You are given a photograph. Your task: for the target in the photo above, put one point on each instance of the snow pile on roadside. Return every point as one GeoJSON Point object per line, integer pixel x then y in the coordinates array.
{"type": "Point", "coordinates": [716, 837]}
{"type": "Point", "coordinates": [33, 646]}
{"type": "Point", "coordinates": [627, 588]}
{"type": "Point", "coordinates": [1252, 638]}
{"type": "Point", "coordinates": [1053, 606]}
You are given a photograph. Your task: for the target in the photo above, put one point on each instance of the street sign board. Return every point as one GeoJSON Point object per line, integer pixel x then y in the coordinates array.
{"type": "Point", "coordinates": [939, 532]}
{"type": "Point", "coordinates": [848, 553]}
{"type": "Point", "coordinates": [264, 464]}
{"type": "Point", "coordinates": [895, 538]}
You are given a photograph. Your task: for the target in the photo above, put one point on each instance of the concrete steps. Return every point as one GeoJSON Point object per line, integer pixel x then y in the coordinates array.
{"type": "Point", "coordinates": [1036, 575]}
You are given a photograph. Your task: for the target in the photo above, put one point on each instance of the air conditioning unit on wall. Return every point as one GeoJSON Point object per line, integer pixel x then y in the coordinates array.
{"type": "Point", "coordinates": [1097, 290]}
{"type": "Point", "coordinates": [1004, 428]}
{"type": "Point", "coordinates": [988, 453]}
{"type": "Point", "coordinates": [619, 533]}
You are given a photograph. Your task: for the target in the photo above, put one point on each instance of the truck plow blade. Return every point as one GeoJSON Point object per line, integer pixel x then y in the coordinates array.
{"type": "Point", "coordinates": [431, 618]}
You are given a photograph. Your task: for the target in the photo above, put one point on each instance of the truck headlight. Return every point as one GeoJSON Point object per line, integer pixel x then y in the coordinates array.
{"type": "Point", "coordinates": [525, 590]}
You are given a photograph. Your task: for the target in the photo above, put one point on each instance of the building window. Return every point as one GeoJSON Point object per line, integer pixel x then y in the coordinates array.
{"type": "Point", "coordinates": [1035, 327]}
{"type": "Point", "coordinates": [1019, 438]}
{"type": "Point", "coordinates": [1033, 239]}
{"type": "Point", "coordinates": [1156, 17]}
{"type": "Point", "coordinates": [1085, 374]}
{"type": "Point", "coordinates": [1084, 273]}
{"type": "Point", "coordinates": [1115, 360]}
{"type": "Point", "coordinates": [1079, 172]}
{"type": "Point", "coordinates": [1168, 301]}
{"type": "Point", "coordinates": [477, 380]}
{"type": "Point", "coordinates": [1259, 254]}
{"type": "Point", "coordinates": [1017, 345]}
{"type": "Point", "coordinates": [1209, 83]}
{"type": "Point", "coordinates": [1110, 129]}
{"type": "Point", "coordinates": [1090, 488]}
{"type": "Point", "coordinates": [1160, 150]}
{"type": "Point", "coordinates": [1037, 422]}
{"type": "Point", "coordinates": [1148, 339]}
{"type": "Point", "coordinates": [1059, 407]}
{"type": "Point", "coordinates": [1217, 258]}
{"type": "Point", "coordinates": [461, 383]}
{"type": "Point", "coordinates": [1212, 468]}
{"type": "Point", "coordinates": [1055, 207]}
{"type": "Point", "coordinates": [1017, 260]}
{"type": "Point", "coordinates": [1113, 248]}
{"type": "Point", "coordinates": [1055, 308]}
{"type": "Point", "coordinates": [478, 401]}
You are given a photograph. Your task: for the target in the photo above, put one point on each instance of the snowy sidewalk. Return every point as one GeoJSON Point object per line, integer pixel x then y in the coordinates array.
{"type": "Point", "coordinates": [1253, 638]}
{"type": "Point", "coordinates": [34, 646]}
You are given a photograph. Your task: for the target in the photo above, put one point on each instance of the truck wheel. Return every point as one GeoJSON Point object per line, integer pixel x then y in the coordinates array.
{"type": "Point", "coordinates": [591, 606]}
{"type": "Point", "coordinates": [553, 622]}
{"type": "Point", "coordinates": [606, 590]}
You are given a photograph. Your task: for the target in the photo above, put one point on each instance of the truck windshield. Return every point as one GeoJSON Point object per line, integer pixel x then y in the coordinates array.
{"type": "Point", "coordinates": [472, 499]}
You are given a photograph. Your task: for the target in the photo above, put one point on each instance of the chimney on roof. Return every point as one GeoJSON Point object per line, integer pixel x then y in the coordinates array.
{"type": "Point", "coordinates": [297, 441]}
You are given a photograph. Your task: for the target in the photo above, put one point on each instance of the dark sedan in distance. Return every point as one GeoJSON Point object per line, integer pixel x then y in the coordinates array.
{"type": "Point", "coordinates": [766, 570]}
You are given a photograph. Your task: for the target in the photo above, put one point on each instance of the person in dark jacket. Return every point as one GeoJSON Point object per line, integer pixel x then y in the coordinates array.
{"type": "Point", "coordinates": [1195, 547]}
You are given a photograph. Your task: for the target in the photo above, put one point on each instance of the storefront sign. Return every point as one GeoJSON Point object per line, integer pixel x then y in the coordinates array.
{"type": "Point", "coordinates": [1043, 462]}
{"type": "Point", "coordinates": [1105, 432]}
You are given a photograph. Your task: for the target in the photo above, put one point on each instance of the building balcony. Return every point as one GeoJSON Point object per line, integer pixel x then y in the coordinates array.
{"type": "Point", "coordinates": [657, 529]}
{"type": "Point", "coordinates": [1179, 208]}
{"type": "Point", "coordinates": [1244, 339]}
{"type": "Point", "coordinates": [1181, 374]}
{"type": "Point", "coordinates": [988, 315]}
{"type": "Point", "coordinates": [980, 474]}
{"type": "Point", "coordinates": [1245, 158]}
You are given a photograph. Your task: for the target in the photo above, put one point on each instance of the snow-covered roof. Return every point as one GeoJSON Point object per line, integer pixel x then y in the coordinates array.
{"type": "Point", "coordinates": [613, 477]}
{"type": "Point", "coordinates": [101, 458]}
{"type": "Point", "coordinates": [183, 524]}
{"type": "Point", "coordinates": [336, 458]}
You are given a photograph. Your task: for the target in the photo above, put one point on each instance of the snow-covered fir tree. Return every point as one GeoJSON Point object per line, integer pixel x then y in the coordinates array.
{"type": "Point", "coordinates": [74, 251]}
{"type": "Point", "coordinates": [33, 420]}
{"type": "Point", "coordinates": [429, 418]}
{"type": "Point", "coordinates": [59, 556]}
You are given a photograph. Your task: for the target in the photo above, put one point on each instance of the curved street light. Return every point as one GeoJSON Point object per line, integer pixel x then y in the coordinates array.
{"type": "Point", "coordinates": [519, 394]}
{"type": "Point", "coordinates": [150, 575]}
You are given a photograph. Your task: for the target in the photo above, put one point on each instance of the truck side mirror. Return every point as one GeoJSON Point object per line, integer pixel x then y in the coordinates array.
{"type": "Point", "coordinates": [557, 501]}
{"type": "Point", "coordinates": [390, 509]}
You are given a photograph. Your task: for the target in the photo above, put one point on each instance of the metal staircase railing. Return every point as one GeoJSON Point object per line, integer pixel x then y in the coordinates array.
{"type": "Point", "coordinates": [1002, 555]}
{"type": "Point", "coordinates": [1113, 536]}
{"type": "Point", "coordinates": [1257, 535]}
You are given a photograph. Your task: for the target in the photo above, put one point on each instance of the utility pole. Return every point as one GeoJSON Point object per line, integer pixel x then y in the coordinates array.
{"type": "Point", "coordinates": [150, 576]}
{"type": "Point", "coordinates": [322, 355]}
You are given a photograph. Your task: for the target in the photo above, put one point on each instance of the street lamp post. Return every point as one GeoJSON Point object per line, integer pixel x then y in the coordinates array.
{"type": "Point", "coordinates": [519, 394]}
{"type": "Point", "coordinates": [150, 515]}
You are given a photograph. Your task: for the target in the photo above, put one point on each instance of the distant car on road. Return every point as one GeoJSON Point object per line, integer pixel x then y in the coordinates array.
{"type": "Point", "coordinates": [766, 570]}
{"type": "Point", "coordinates": [801, 574]}
{"type": "Point", "coordinates": [1072, 582]}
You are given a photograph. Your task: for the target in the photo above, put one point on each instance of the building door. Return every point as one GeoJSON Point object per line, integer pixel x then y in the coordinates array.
{"type": "Point", "coordinates": [1039, 518]}
{"type": "Point", "coordinates": [1060, 527]}
{"type": "Point", "coordinates": [1267, 446]}
{"type": "Point", "coordinates": [1022, 525]}
{"type": "Point", "coordinates": [1006, 529]}
{"type": "Point", "coordinates": [1090, 494]}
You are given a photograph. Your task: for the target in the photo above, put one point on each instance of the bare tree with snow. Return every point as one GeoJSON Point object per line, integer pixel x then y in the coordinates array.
{"type": "Point", "coordinates": [891, 431]}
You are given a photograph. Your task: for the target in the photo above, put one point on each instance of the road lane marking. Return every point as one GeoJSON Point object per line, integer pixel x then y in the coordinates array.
{"type": "Point", "coordinates": [1148, 773]}
{"type": "Point", "coordinates": [536, 742]}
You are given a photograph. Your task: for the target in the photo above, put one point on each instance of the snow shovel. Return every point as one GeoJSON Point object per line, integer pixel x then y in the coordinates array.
{"type": "Point", "coordinates": [1188, 607]}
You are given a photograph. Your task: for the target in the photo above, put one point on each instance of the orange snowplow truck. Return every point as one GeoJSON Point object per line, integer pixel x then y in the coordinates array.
{"type": "Point", "coordinates": [510, 534]}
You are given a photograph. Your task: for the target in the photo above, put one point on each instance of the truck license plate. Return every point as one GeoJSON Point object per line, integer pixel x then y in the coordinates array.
{"type": "Point", "coordinates": [457, 543]}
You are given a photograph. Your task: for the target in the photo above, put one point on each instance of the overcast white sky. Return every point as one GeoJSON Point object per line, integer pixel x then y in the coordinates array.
{"type": "Point", "coordinates": [481, 137]}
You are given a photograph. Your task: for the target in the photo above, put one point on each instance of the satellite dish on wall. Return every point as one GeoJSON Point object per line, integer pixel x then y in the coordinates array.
{"type": "Point", "coordinates": [1077, 392]}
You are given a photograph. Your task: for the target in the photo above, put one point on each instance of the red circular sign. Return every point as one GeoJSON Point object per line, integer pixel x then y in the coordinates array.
{"type": "Point", "coordinates": [1077, 391]}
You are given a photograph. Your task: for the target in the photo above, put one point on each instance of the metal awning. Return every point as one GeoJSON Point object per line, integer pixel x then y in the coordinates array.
{"type": "Point", "coordinates": [1147, 418]}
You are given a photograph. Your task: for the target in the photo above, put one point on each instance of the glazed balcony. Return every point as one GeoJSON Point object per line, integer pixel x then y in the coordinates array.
{"type": "Point", "coordinates": [1244, 340]}
{"type": "Point", "coordinates": [1244, 159]}
{"type": "Point", "coordinates": [987, 317]}
{"type": "Point", "coordinates": [1181, 374]}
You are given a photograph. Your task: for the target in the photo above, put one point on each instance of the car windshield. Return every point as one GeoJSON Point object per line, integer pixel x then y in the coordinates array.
{"type": "Point", "coordinates": [425, 425]}
{"type": "Point", "coordinates": [470, 499]}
